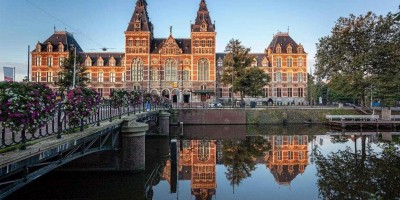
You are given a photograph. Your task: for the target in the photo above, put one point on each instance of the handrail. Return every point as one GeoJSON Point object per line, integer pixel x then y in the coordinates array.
{"type": "Point", "coordinates": [352, 117]}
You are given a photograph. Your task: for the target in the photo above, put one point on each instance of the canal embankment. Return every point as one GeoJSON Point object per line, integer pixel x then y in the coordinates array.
{"type": "Point", "coordinates": [260, 116]}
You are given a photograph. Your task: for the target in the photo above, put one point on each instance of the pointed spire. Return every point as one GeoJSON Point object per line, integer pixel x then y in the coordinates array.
{"type": "Point", "coordinates": [170, 30]}
{"type": "Point", "coordinates": [140, 20]}
{"type": "Point", "coordinates": [203, 21]}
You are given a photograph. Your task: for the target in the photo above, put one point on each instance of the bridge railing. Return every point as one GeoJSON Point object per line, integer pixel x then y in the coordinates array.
{"type": "Point", "coordinates": [352, 117]}
{"type": "Point", "coordinates": [59, 124]}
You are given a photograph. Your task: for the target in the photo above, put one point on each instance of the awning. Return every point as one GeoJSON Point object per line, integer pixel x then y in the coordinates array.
{"type": "Point", "coordinates": [203, 91]}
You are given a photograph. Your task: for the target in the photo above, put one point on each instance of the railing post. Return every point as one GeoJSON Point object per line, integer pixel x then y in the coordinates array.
{"type": "Point", "coordinates": [110, 111]}
{"type": "Point", "coordinates": [59, 124]}
{"type": "Point", "coordinates": [98, 115]}
{"type": "Point", "coordinates": [23, 140]}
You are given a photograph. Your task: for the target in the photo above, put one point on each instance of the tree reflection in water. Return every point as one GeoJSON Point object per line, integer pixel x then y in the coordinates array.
{"type": "Point", "coordinates": [240, 157]}
{"type": "Point", "coordinates": [347, 175]}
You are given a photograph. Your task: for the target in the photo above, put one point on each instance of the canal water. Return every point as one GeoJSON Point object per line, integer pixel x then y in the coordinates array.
{"type": "Point", "coordinates": [238, 162]}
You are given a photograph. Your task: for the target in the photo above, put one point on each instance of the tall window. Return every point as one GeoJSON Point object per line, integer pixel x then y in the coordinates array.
{"type": "Point", "coordinates": [186, 75]}
{"type": "Point", "coordinates": [300, 62]}
{"type": "Point", "coordinates": [289, 77]}
{"type": "Point", "coordinates": [61, 61]}
{"type": "Point", "coordinates": [300, 92]}
{"type": "Point", "coordinates": [289, 62]}
{"type": "Point", "coordinates": [300, 77]}
{"type": "Point", "coordinates": [279, 155]}
{"type": "Point", "coordinates": [38, 61]}
{"type": "Point", "coordinates": [101, 77]}
{"type": "Point", "coordinates": [154, 74]}
{"type": "Point", "coordinates": [278, 77]}
{"type": "Point", "coordinates": [278, 62]}
{"type": "Point", "coordinates": [300, 140]}
{"type": "Point", "coordinates": [290, 155]}
{"type": "Point", "coordinates": [290, 94]}
{"type": "Point", "coordinates": [37, 77]}
{"type": "Point", "coordinates": [49, 61]}
{"type": "Point", "coordinates": [203, 150]}
{"type": "Point", "coordinates": [49, 77]}
{"type": "Point", "coordinates": [203, 67]}
{"type": "Point", "coordinates": [279, 92]}
{"type": "Point", "coordinates": [137, 70]}
{"type": "Point", "coordinates": [112, 77]}
{"type": "Point", "coordinates": [123, 77]}
{"type": "Point", "coordinates": [171, 70]}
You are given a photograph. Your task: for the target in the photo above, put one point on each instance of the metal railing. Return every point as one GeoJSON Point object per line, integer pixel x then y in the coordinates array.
{"type": "Point", "coordinates": [59, 125]}
{"type": "Point", "coordinates": [352, 117]}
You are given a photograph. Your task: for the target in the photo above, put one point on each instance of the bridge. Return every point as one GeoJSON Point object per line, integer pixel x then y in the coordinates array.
{"type": "Point", "coordinates": [361, 121]}
{"type": "Point", "coordinates": [57, 143]}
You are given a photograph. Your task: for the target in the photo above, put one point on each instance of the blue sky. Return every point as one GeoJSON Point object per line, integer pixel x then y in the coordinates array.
{"type": "Point", "coordinates": [101, 23]}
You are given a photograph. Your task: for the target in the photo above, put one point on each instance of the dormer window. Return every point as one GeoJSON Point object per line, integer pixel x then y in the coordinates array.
{"type": "Point", "coordinates": [300, 49]}
{"type": "Point", "coordinates": [60, 47]}
{"type": "Point", "coordinates": [38, 48]}
{"type": "Point", "coordinates": [49, 48]}
{"type": "Point", "coordinates": [254, 63]}
{"type": "Point", "coordinates": [265, 62]}
{"type": "Point", "coordinates": [289, 49]}
{"type": "Point", "coordinates": [100, 62]}
{"type": "Point", "coordinates": [112, 62]}
{"type": "Point", "coordinates": [278, 49]}
{"type": "Point", "coordinates": [88, 62]}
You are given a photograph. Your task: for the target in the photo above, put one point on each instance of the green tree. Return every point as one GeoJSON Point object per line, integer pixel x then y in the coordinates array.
{"type": "Point", "coordinates": [246, 80]}
{"type": "Point", "coordinates": [65, 80]}
{"type": "Point", "coordinates": [360, 52]}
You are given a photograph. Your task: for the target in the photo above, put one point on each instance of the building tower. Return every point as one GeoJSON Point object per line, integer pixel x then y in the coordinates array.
{"type": "Point", "coordinates": [203, 37]}
{"type": "Point", "coordinates": [138, 38]}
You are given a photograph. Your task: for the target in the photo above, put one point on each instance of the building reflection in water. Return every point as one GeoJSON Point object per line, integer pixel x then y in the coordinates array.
{"type": "Point", "coordinates": [197, 160]}
{"type": "Point", "coordinates": [288, 157]}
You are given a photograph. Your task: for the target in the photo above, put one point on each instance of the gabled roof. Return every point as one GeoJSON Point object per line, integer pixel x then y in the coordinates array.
{"type": "Point", "coordinates": [63, 37]}
{"type": "Point", "coordinates": [283, 39]}
{"type": "Point", "coordinates": [140, 16]}
{"type": "Point", "coordinates": [94, 56]}
{"type": "Point", "coordinates": [184, 43]}
{"type": "Point", "coordinates": [203, 16]}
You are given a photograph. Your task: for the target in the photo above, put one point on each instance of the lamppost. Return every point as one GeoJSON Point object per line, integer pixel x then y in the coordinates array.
{"type": "Point", "coordinates": [74, 72]}
{"type": "Point", "coordinates": [232, 89]}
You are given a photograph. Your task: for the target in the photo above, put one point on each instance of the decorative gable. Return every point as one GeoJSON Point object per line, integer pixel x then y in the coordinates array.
{"type": "Point", "coordinates": [170, 47]}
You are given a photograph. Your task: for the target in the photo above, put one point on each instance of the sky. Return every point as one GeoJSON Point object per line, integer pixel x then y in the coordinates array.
{"type": "Point", "coordinates": [101, 23]}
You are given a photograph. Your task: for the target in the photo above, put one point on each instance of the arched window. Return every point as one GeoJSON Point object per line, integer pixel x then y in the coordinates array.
{"type": "Point", "coordinates": [137, 70]}
{"type": "Point", "coordinates": [186, 75]}
{"type": "Point", "coordinates": [170, 70]}
{"type": "Point", "coordinates": [203, 67]}
{"type": "Point", "coordinates": [203, 150]}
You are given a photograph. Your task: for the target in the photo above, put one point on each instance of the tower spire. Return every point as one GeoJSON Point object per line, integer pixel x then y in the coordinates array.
{"type": "Point", "coordinates": [203, 20]}
{"type": "Point", "coordinates": [140, 20]}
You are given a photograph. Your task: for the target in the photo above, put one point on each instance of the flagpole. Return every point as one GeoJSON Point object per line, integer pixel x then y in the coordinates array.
{"type": "Point", "coordinates": [14, 75]}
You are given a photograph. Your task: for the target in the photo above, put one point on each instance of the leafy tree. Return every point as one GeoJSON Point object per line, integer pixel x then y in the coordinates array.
{"type": "Point", "coordinates": [246, 80]}
{"type": "Point", "coordinates": [361, 51]}
{"type": "Point", "coordinates": [65, 80]}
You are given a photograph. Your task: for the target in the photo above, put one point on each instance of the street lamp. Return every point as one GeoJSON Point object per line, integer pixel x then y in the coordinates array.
{"type": "Point", "coordinates": [232, 88]}
{"type": "Point", "coordinates": [74, 72]}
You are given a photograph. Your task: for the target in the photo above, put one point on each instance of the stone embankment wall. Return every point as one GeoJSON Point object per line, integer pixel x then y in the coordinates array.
{"type": "Point", "coordinates": [260, 116]}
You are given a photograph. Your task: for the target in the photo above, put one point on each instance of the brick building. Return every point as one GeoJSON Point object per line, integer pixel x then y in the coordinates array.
{"type": "Point", "coordinates": [182, 69]}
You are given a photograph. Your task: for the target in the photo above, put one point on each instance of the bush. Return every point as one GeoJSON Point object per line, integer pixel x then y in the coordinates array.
{"type": "Point", "coordinates": [26, 106]}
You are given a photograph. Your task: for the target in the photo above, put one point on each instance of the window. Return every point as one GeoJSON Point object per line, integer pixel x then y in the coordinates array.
{"type": "Point", "coordinates": [170, 70]}
{"type": "Point", "coordinates": [302, 155]}
{"type": "Point", "coordinates": [130, 42]}
{"type": "Point", "coordinates": [112, 62]}
{"type": "Point", "coordinates": [144, 42]}
{"type": "Point", "coordinates": [154, 74]}
{"type": "Point", "coordinates": [300, 140]}
{"type": "Point", "coordinates": [289, 62]}
{"type": "Point", "coordinates": [265, 62]}
{"type": "Point", "coordinates": [278, 62]}
{"type": "Point", "coordinates": [279, 92]}
{"type": "Point", "coordinates": [220, 63]}
{"type": "Point", "coordinates": [49, 61]}
{"type": "Point", "coordinates": [196, 43]}
{"type": "Point", "coordinates": [289, 78]}
{"type": "Point", "coordinates": [61, 61]}
{"type": "Point", "coordinates": [112, 77]}
{"type": "Point", "coordinates": [289, 49]}
{"type": "Point", "coordinates": [38, 61]}
{"type": "Point", "coordinates": [291, 140]}
{"type": "Point", "coordinates": [299, 62]}
{"type": "Point", "coordinates": [37, 77]}
{"type": "Point", "coordinates": [290, 94]}
{"type": "Point", "coordinates": [137, 70]}
{"type": "Point", "coordinates": [279, 155]}
{"type": "Point", "coordinates": [136, 87]}
{"type": "Point", "coordinates": [88, 62]}
{"type": "Point", "coordinates": [49, 77]}
{"type": "Point", "coordinates": [101, 77]}
{"type": "Point", "coordinates": [137, 42]}
{"type": "Point", "coordinates": [278, 49]}
{"type": "Point", "coordinates": [60, 47]}
{"type": "Point", "coordinates": [203, 43]}
{"type": "Point", "coordinates": [203, 87]}
{"type": "Point", "coordinates": [290, 155]}
{"type": "Point", "coordinates": [278, 77]}
{"type": "Point", "coordinates": [203, 150]}
{"type": "Point", "coordinates": [123, 77]}
{"type": "Point", "coordinates": [89, 76]}
{"type": "Point", "coordinates": [209, 43]}
{"type": "Point", "coordinates": [300, 77]}
{"type": "Point", "coordinates": [100, 62]}
{"type": "Point", "coordinates": [203, 67]}
{"type": "Point", "coordinates": [100, 91]}
{"type": "Point", "coordinates": [49, 48]}
{"type": "Point", "coordinates": [300, 92]}
{"type": "Point", "coordinates": [186, 75]}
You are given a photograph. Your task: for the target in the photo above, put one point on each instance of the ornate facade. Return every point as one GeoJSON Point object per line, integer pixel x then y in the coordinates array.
{"type": "Point", "coordinates": [184, 70]}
